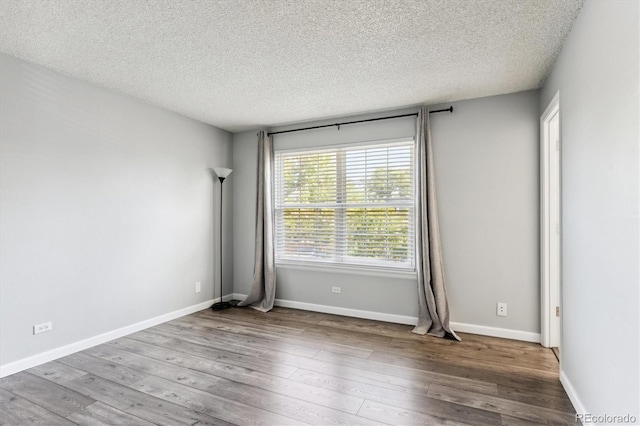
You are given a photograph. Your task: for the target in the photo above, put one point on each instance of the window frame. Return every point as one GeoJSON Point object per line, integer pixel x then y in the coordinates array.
{"type": "Point", "coordinates": [342, 263]}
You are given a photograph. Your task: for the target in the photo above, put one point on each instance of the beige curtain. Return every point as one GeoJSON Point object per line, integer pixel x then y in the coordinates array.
{"type": "Point", "coordinates": [433, 308]}
{"type": "Point", "coordinates": [263, 290]}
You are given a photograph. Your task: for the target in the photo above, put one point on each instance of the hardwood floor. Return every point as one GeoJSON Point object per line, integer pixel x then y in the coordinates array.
{"type": "Point", "coordinates": [240, 366]}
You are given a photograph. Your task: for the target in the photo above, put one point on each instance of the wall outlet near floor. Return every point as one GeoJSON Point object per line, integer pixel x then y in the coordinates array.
{"type": "Point", "coordinates": [198, 287]}
{"type": "Point", "coordinates": [41, 328]}
{"type": "Point", "coordinates": [501, 310]}
{"type": "Point", "coordinates": [336, 290]}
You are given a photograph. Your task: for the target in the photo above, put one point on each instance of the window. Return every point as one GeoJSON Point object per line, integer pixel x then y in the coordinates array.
{"type": "Point", "coordinates": [352, 204]}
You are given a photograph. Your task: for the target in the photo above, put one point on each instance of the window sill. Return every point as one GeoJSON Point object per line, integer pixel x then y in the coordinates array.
{"type": "Point", "coordinates": [340, 269]}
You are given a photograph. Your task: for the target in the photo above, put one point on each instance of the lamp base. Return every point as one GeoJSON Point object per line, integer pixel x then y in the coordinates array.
{"type": "Point", "coordinates": [220, 306]}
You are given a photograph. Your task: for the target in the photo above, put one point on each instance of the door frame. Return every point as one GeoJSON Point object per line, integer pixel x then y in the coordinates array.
{"type": "Point", "coordinates": [550, 228]}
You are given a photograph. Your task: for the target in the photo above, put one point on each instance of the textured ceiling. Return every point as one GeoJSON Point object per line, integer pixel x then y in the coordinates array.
{"type": "Point", "coordinates": [243, 64]}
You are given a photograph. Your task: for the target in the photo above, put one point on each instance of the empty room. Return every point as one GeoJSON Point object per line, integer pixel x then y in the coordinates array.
{"type": "Point", "coordinates": [319, 212]}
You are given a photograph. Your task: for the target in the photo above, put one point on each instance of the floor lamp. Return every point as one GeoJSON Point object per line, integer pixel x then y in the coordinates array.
{"type": "Point", "coordinates": [222, 173]}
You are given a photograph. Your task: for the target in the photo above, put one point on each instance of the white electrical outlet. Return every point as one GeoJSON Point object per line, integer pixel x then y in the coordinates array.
{"type": "Point", "coordinates": [336, 290]}
{"type": "Point", "coordinates": [41, 328]}
{"type": "Point", "coordinates": [501, 310]}
{"type": "Point", "coordinates": [198, 287]}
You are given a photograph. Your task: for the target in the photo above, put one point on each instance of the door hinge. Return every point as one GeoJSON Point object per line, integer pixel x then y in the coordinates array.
{"type": "Point", "coordinates": [557, 145]}
{"type": "Point", "coordinates": [558, 311]}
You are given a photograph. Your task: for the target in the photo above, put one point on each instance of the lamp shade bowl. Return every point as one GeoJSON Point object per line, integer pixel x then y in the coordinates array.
{"type": "Point", "coordinates": [222, 172]}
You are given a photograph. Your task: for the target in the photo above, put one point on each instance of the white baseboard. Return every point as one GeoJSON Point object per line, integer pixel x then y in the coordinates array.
{"type": "Point", "coordinates": [505, 333]}
{"type": "Point", "coordinates": [347, 312]}
{"type": "Point", "coordinates": [572, 394]}
{"type": "Point", "coordinates": [53, 354]}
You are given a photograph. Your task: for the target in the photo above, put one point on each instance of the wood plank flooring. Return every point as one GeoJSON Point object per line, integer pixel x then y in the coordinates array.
{"type": "Point", "coordinates": [240, 366]}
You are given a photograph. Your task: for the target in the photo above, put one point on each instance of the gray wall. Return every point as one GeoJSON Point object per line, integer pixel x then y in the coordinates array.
{"type": "Point", "coordinates": [487, 174]}
{"type": "Point", "coordinates": [106, 209]}
{"type": "Point", "coordinates": [597, 76]}
{"type": "Point", "coordinates": [486, 159]}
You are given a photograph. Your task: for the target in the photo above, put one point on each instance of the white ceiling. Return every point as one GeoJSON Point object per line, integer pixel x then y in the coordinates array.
{"type": "Point", "coordinates": [244, 64]}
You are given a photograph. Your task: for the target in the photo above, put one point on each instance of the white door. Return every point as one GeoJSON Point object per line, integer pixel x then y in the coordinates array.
{"type": "Point", "coordinates": [550, 224]}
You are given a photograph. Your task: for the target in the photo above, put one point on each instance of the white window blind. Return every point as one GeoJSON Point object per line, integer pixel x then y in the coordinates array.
{"type": "Point", "coordinates": [351, 204]}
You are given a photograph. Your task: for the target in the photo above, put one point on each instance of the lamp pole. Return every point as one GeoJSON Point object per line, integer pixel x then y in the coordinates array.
{"type": "Point", "coordinates": [222, 174]}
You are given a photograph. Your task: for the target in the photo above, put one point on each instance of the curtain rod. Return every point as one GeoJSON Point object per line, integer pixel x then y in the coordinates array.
{"type": "Point", "coordinates": [450, 109]}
